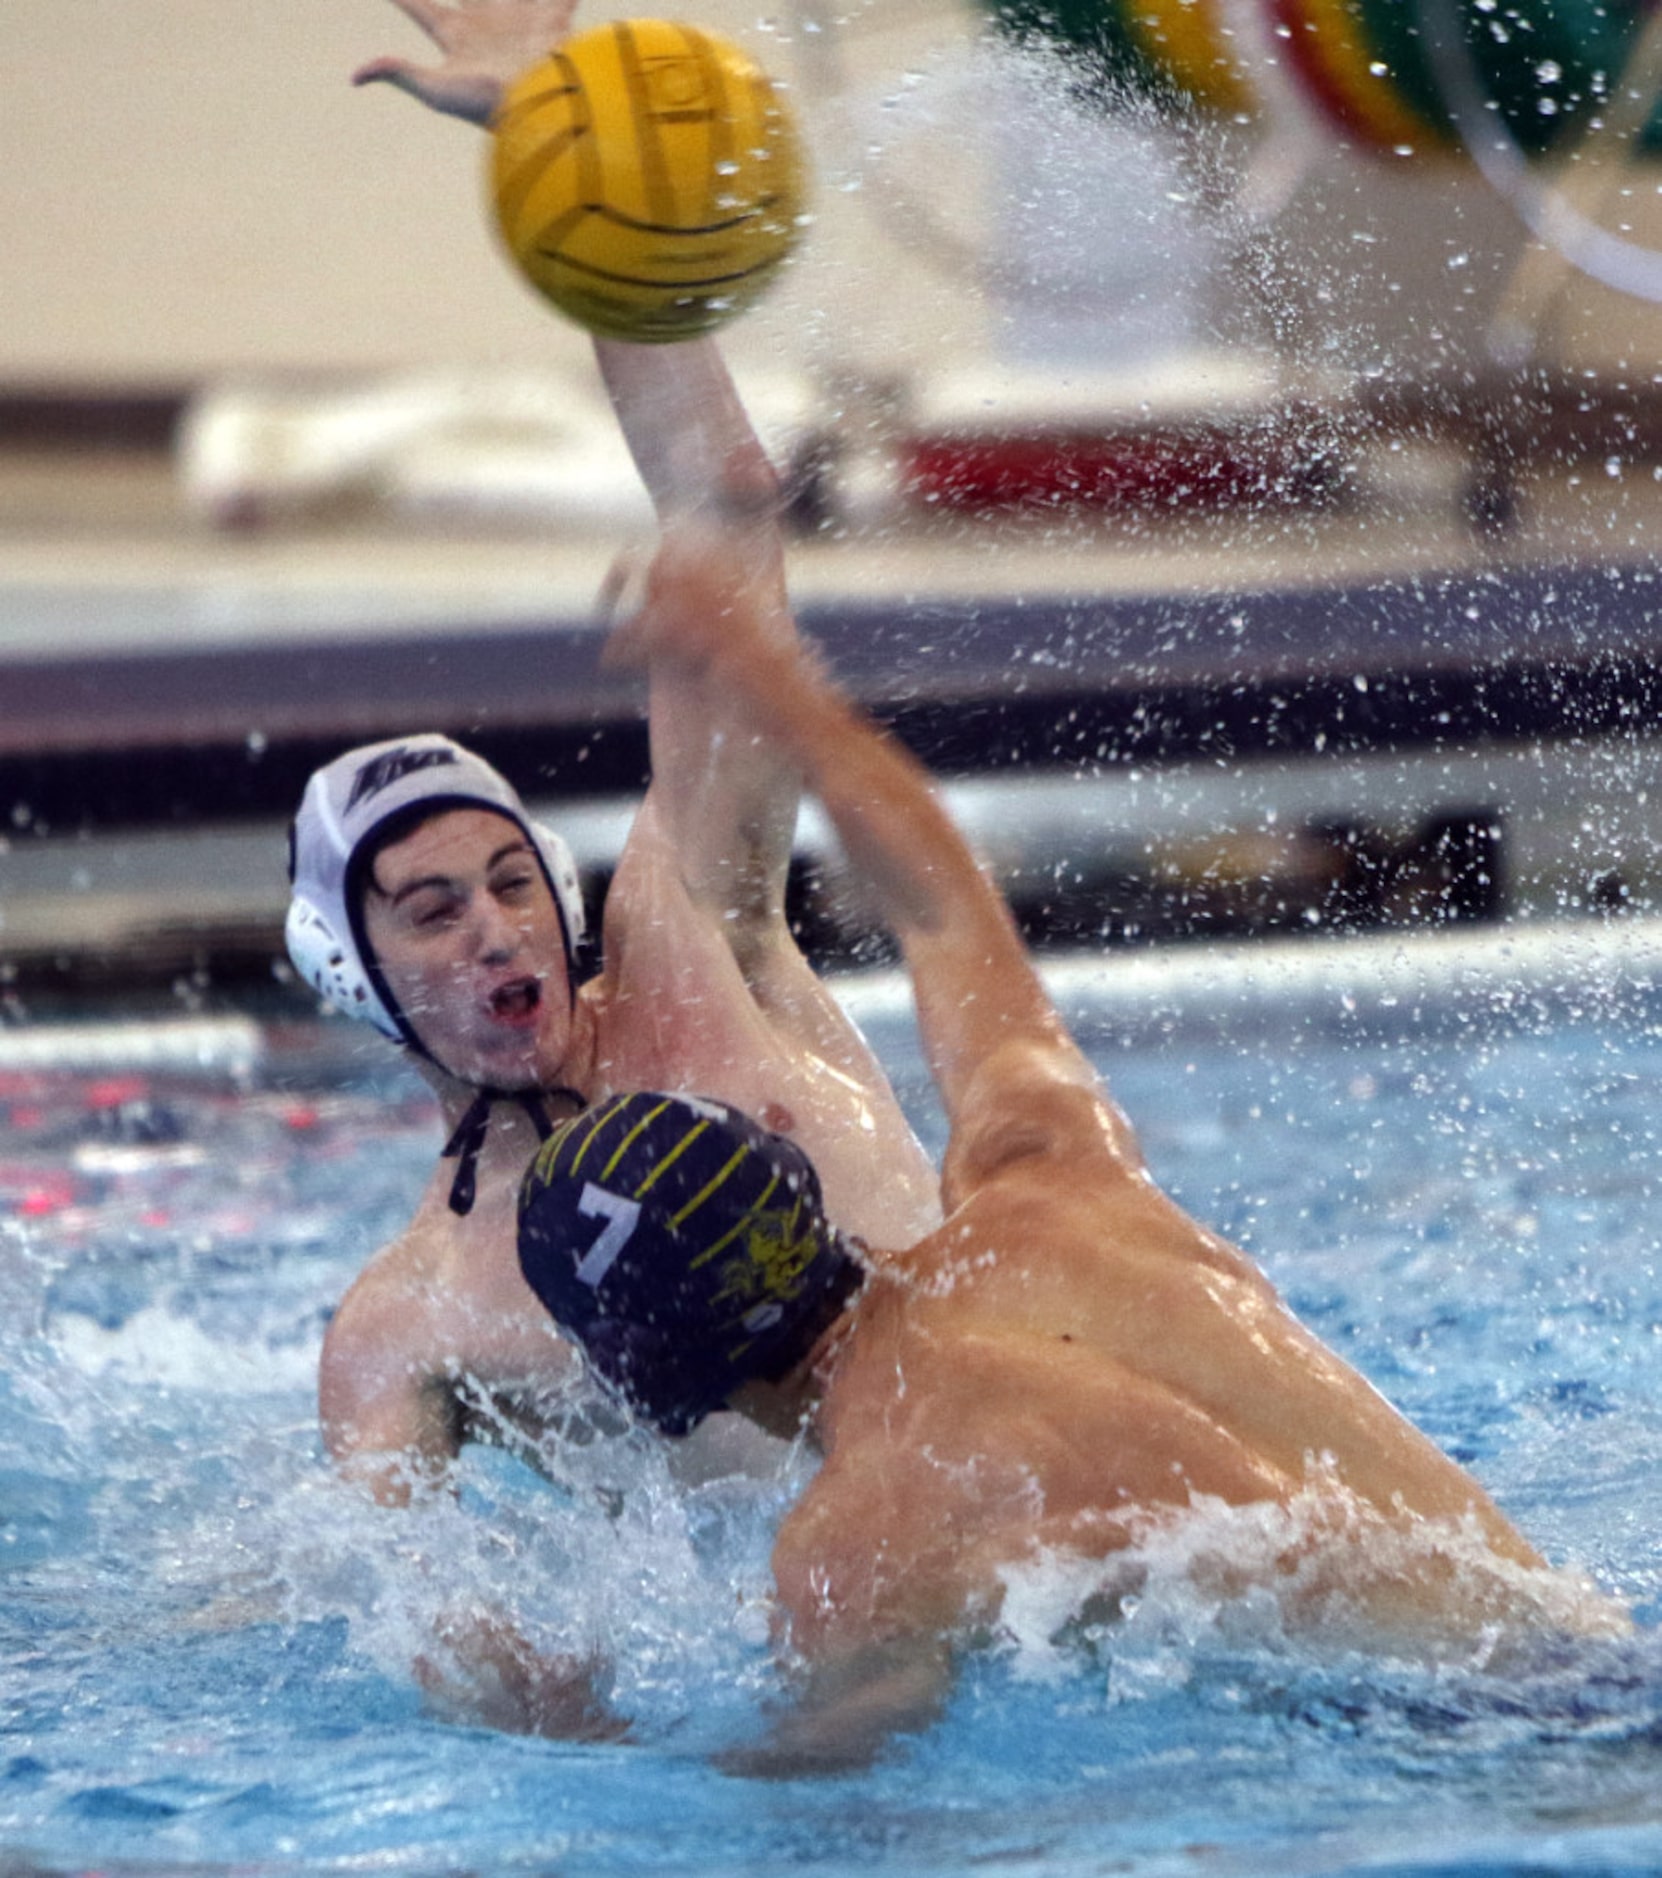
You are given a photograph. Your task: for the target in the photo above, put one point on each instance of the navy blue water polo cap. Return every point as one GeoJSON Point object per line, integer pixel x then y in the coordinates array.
{"type": "Point", "coordinates": [684, 1248]}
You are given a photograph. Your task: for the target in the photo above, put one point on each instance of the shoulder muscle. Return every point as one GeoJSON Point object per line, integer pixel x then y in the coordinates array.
{"type": "Point", "coordinates": [1032, 1100]}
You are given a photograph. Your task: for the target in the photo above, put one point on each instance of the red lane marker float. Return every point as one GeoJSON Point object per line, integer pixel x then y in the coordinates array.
{"type": "Point", "coordinates": [43, 1196]}
{"type": "Point", "coordinates": [1199, 468]}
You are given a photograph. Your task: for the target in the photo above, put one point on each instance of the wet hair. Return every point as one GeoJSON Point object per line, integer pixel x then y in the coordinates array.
{"type": "Point", "coordinates": [360, 875]}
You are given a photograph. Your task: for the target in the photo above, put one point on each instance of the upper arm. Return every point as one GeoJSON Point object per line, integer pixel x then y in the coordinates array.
{"type": "Point", "coordinates": [874, 1646]}
{"type": "Point", "coordinates": [389, 1420]}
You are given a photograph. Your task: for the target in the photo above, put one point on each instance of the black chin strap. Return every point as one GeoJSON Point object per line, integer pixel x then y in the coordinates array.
{"type": "Point", "coordinates": [466, 1144]}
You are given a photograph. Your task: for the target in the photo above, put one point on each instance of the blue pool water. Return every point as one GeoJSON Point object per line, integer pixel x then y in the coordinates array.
{"type": "Point", "coordinates": [205, 1641]}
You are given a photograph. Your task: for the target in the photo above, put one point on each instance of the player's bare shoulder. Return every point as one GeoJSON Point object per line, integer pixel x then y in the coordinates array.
{"type": "Point", "coordinates": [1036, 1108]}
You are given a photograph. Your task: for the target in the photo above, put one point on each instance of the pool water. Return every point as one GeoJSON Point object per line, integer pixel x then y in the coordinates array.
{"type": "Point", "coordinates": [206, 1641]}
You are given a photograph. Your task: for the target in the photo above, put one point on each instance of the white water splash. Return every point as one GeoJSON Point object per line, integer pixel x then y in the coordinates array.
{"type": "Point", "coordinates": [155, 1346]}
{"type": "Point", "coordinates": [1313, 1578]}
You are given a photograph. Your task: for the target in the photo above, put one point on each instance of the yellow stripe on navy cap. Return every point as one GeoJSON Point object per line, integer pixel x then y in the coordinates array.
{"type": "Point", "coordinates": [645, 1121]}
{"type": "Point", "coordinates": [673, 1156]}
{"type": "Point", "coordinates": [733, 1231]}
{"type": "Point", "coordinates": [597, 1120]}
{"type": "Point", "coordinates": [713, 1186]}
{"type": "Point", "coordinates": [543, 1167]}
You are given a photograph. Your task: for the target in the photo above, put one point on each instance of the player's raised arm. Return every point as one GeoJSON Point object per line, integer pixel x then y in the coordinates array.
{"type": "Point", "coordinates": [723, 796]}
{"type": "Point", "coordinates": [975, 986]}
{"type": "Point", "coordinates": [723, 803]}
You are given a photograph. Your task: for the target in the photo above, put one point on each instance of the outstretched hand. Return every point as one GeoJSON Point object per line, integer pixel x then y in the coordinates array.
{"type": "Point", "coordinates": [484, 43]}
{"type": "Point", "coordinates": [702, 603]}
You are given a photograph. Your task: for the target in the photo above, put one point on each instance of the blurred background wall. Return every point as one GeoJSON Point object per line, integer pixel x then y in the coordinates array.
{"type": "Point", "coordinates": [191, 188]}
{"type": "Point", "coordinates": [197, 206]}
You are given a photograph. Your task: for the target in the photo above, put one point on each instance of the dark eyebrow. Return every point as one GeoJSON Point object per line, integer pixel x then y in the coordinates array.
{"type": "Point", "coordinates": [442, 881]}
{"type": "Point", "coordinates": [519, 845]}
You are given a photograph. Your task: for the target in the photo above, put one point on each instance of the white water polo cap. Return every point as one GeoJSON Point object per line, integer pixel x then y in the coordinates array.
{"type": "Point", "coordinates": [346, 804]}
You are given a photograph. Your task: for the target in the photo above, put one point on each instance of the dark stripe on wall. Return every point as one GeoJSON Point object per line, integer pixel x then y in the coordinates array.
{"type": "Point", "coordinates": [973, 687]}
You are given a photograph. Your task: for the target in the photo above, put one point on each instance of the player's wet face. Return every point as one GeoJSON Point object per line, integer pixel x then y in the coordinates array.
{"type": "Point", "coordinates": [460, 918]}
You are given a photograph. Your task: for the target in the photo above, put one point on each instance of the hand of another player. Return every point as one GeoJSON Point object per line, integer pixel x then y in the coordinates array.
{"type": "Point", "coordinates": [847, 1716]}
{"type": "Point", "coordinates": [698, 607]}
{"type": "Point", "coordinates": [490, 1673]}
{"type": "Point", "coordinates": [485, 44]}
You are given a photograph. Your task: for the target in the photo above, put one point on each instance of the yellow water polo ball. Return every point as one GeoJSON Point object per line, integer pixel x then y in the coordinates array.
{"type": "Point", "coordinates": [648, 178]}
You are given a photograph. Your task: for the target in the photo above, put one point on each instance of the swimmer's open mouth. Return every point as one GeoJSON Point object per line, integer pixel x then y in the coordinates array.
{"type": "Point", "coordinates": [517, 1000]}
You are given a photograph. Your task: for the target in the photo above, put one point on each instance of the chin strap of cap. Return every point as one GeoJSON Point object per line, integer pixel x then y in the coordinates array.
{"type": "Point", "coordinates": [468, 1140]}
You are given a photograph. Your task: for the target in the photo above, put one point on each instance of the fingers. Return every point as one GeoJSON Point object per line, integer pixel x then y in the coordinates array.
{"type": "Point", "coordinates": [706, 569]}
{"type": "Point", "coordinates": [654, 614]}
{"type": "Point", "coordinates": [397, 72]}
{"type": "Point", "coordinates": [471, 96]}
{"type": "Point", "coordinates": [694, 604]}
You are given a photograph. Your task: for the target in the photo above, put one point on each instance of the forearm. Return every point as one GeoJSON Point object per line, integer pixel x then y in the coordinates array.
{"type": "Point", "coordinates": [689, 433]}
{"type": "Point", "coordinates": [974, 983]}
{"type": "Point", "coordinates": [679, 410]}
{"type": "Point", "coordinates": [725, 789]}
{"type": "Point", "coordinates": [880, 799]}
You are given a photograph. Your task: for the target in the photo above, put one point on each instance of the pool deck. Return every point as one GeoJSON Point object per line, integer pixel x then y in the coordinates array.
{"type": "Point", "coordinates": [231, 660]}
